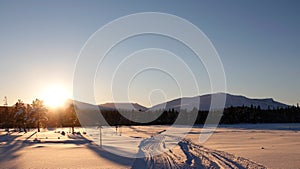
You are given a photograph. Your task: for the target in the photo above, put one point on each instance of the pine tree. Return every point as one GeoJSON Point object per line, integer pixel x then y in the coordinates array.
{"type": "Point", "coordinates": [39, 110]}
{"type": "Point", "coordinates": [20, 115]}
{"type": "Point", "coordinates": [71, 116]}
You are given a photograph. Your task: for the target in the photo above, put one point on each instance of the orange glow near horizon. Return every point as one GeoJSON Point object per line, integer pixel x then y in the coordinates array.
{"type": "Point", "coordinates": [55, 96]}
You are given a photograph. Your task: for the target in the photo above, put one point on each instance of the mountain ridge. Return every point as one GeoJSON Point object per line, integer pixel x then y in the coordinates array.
{"type": "Point", "coordinates": [123, 105]}
{"type": "Point", "coordinates": [193, 102]}
{"type": "Point", "coordinates": [231, 100]}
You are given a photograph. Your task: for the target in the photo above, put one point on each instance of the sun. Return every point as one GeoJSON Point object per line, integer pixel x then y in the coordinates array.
{"type": "Point", "coordinates": [55, 96]}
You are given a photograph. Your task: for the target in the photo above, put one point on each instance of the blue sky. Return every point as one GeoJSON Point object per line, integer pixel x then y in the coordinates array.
{"type": "Point", "coordinates": [258, 43]}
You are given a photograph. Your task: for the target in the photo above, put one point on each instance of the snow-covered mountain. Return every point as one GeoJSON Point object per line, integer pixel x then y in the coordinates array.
{"type": "Point", "coordinates": [123, 106]}
{"type": "Point", "coordinates": [205, 100]}
{"type": "Point", "coordinates": [106, 106]}
{"type": "Point", "coordinates": [201, 102]}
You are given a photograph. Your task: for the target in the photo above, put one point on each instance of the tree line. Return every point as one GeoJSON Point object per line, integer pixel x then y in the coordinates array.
{"type": "Point", "coordinates": [231, 115]}
{"type": "Point", "coordinates": [24, 116]}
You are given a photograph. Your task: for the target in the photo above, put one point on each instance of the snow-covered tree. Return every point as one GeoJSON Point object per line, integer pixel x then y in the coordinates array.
{"type": "Point", "coordinates": [71, 116]}
{"type": "Point", "coordinates": [39, 113]}
{"type": "Point", "coordinates": [20, 114]}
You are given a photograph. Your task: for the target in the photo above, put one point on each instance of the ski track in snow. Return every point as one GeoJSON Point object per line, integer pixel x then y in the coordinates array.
{"type": "Point", "coordinates": [190, 155]}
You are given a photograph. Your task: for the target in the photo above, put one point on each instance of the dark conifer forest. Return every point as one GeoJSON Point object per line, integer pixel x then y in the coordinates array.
{"type": "Point", "coordinates": [24, 116]}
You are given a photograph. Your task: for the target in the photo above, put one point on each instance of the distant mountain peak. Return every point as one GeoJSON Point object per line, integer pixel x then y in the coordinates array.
{"type": "Point", "coordinates": [201, 102]}
{"type": "Point", "coordinates": [204, 102]}
{"type": "Point", "coordinates": [124, 106]}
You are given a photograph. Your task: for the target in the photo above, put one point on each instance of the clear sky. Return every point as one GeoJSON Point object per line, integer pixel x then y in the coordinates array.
{"type": "Point", "coordinates": [258, 43]}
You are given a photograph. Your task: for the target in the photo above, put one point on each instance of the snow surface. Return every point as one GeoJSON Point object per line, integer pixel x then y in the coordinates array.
{"type": "Point", "coordinates": [231, 146]}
